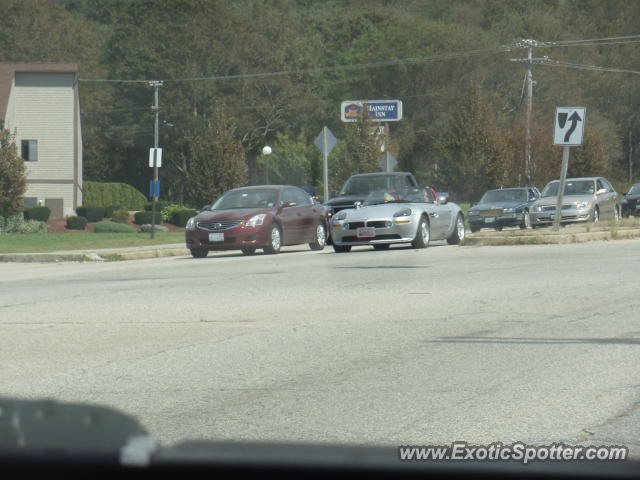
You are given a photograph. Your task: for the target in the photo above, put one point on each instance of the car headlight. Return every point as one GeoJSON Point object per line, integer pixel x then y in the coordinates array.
{"type": "Point", "coordinates": [340, 216]}
{"type": "Point", "coordinates": [405, 212]}
{"type": "Point", "coordinates": [473, 212]}
{"type": "Point", "coordinates": [508, 210]}
{"type": "Point", "coordinates": [536, 209]}
{"type": "Point", "coordinates": [256, 220]}
{"type": "Point", "coordinates": [582, 205]}
{"type": "Point", "coordinates": [191, 223]}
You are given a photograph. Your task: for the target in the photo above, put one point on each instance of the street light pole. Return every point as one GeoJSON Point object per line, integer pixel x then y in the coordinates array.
{"type": "Point", "coordinates": [527, 170]}
{"type": "Point", "coordinates": [156, 133]}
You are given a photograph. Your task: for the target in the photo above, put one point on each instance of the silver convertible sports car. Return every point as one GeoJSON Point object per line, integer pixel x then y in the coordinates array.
{"type": "Point", "coordinates": [405, 215]}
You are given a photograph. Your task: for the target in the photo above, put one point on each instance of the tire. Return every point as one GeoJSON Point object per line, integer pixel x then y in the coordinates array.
{"type": "Point", "coordinates": [423, 234]}
{"type": "Point", "coordinates": [526, 221]}
{"type": "Point", "coordinates": [321, 237]}
{"type": "Point", "coordinates": [458, 232]}
{"type": "Point", "coordinates": [616, 214]}
{"type": "Point", "coordinates": [595, 216]}
{"type": "Point", "coordinates": [199, 252]}
{"type": "Point", "coordinates": [498, 229]}
{"type": "Point", "coordinates": [275, 240]}
{"type": "Point", "coordinates": [474, 229]}
{"type": "Point", "coordinates": [381, 246]}
{"type": "Point", "coordinates": [341, 248]}
{"type": "Point", "coordinates": [248, 250]}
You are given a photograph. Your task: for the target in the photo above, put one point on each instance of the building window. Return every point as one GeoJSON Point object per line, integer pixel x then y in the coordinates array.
{"type": "Point", "coordinates": [30, 150]}
{"type": "Point", "coordinates": [30, 201]}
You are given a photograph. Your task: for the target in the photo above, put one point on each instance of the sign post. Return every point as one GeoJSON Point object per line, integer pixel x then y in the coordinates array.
{"type": "Point", "coordinates": [325, 142]}
{"type": "Point", "coordinates": [568, 132]}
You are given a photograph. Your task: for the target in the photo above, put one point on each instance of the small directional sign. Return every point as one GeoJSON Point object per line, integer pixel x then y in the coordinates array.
{"type": "Point", "coordinates": [154, 188]}
{"type": "Point", "coordinates": [155, 157]}
{"type": "Point", "coordinates": [569, 126]}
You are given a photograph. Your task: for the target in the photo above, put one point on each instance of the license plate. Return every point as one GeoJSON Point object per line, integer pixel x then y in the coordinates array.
{"type": "Point", "coordinates": [366, 232]}
{"type": "Point", "coordinates": [489, 219]}
{"type": "Point", "coordinates": [216, 237]}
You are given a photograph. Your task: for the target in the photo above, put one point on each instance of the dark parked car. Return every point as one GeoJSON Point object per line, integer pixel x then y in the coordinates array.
{"type": "Point", "coordinates": [503, 207]}
{"type": "Point", "coordinates": [358, 187]}
{"type": "Point", "coordinates": [265, 216]}
{"type": "Point", "coordinates": [631, 202]}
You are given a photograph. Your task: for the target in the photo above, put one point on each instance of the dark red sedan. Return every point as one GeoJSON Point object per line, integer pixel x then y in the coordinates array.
{"type": "Point", "coordinates": [264, 216]}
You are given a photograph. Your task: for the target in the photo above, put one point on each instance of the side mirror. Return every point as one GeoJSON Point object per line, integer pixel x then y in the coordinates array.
{"type": "Point", "coordinates": [206, 207]}
{"type": "Point", "coordinates": [288, 204]}
{"type": "Point", "coordinates": [443, 198]}
{"type": "Point", "coordinates": [357, 204]}
{"type": "Point", "coordinates": [601, 191]}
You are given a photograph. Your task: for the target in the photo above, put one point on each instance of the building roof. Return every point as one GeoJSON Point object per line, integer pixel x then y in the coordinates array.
{"type": "Point", "coordinates": [8, 71]}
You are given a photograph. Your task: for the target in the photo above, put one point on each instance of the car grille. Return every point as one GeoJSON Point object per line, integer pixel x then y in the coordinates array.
{"type": "Point", "coordinates": [552, 208]}
{"type": "Point", "coordinates": [490, 213]}
{"type": "Point", "coordinates": [372, 223]}
{"type": "Point", "coordinates": [218, 226]}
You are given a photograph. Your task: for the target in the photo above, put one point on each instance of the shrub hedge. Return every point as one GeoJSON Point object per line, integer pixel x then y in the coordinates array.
{"type": "Point", "coordinates": [113, 227]}
{"type": "Point", "coordinates": [179, 217]}
{"type": "Point", "coordinates": [41, 214]}
{"type": "Point", "coordinates": [99, 194]}
{"type": "Point", "coordinates": [92, 214]}
{"type": "Point", "coordinates": [160, 205]}
{"type": "Point", "coordinates": [120, 216]}
{"type": "Point", "coordinates": [108, 211]}
{"type": "Point", "coordinates": [17, 224]}
{"type": "Point", "coordinates": [76, 223]}
{"type": "Point", "coordinates": [143, 217]}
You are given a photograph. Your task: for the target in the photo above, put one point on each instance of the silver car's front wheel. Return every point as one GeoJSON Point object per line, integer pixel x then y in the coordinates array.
{"type": "Point", "coordinates": [423, 234]}
{"type": "Point", "coordinates": [458, 232]}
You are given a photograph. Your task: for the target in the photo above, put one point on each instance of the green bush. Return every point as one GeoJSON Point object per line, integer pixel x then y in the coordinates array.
{"type": "Point", "coordinates": [92, 214]}
{"type": "Point", "coordinates": [120, 216]}
{"type": "Point", "coordinates": [37, 213]}
{"type": "Point", "coordinates": [17, 224]}
{"type": "Point", "coordinates": [168, 211]}
{"type": "Point", "coordinates": [98, 194]}
{"type": "Point", "coordinates": [108, 211]}
{"type": "Point", "coordinates": [76, 223]}
{"type": "Point", "coordinates": [141, 218]}
{"type": "Point", "coordinates": [113, 227]}
{"type": "Point", "coordinates": [160, 205]}
{"type": "Point", "coordinates": [179, 217]}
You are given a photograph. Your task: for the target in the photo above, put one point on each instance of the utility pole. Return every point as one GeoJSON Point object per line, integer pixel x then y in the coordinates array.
{"type": "Point", "coordinates": [529, 167]}
{"type": "Point", "coordinates": [156, 84]}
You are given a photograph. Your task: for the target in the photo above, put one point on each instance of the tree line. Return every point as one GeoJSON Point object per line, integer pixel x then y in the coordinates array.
{"type": "Point", "coordinates": [464, 125]}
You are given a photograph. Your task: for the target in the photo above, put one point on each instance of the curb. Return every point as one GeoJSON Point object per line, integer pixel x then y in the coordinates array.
{"type": "Point", "coordinates": [552, 238]}
{"type": "Point", "coordinates": [95, 256]}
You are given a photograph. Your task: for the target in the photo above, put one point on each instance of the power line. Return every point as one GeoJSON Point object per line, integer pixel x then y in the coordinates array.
{"type": "Point", "coordinates": [332, 68]}
{"type": "Point", "coordinates": [558, 63]}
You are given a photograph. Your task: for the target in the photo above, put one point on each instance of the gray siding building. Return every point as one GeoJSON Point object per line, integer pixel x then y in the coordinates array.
{"type": "Point", "coordinates": [39, 103]}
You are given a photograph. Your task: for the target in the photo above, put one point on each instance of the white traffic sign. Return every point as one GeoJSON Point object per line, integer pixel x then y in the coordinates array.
{"type": "Point", "coordinates": [569, 126]}
{"type": "Point", "coordinates": [155, 157]}
{"type": "Point", "coordinates": [326, 141]}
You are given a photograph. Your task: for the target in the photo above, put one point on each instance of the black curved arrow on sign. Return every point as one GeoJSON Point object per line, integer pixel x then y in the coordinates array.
{"type": "Point", "coordinates": [574, 119]}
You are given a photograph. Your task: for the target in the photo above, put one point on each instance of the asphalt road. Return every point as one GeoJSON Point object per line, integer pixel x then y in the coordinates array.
{"type": "Point", "coordinates": [535, 343]}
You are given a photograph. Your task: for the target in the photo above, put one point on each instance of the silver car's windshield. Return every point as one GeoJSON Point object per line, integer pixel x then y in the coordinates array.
{"type": "Point", "coordinates": [506, 195]}
{"type": "Point", "coordinates": [400, 195]}
{"type": "Point", "coordinates": [246, 199]}
{"type": "Point", "coordinates": [576, 187]}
